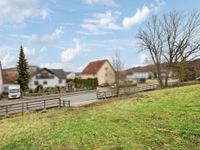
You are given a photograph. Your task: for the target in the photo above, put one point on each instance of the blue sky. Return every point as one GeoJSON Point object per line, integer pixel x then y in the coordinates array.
{"type": "Point", "coordinates": [69, 33]}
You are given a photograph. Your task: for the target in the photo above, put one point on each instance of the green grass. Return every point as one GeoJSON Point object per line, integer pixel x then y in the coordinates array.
{"type": "Point", "coordinates": [162, 119]}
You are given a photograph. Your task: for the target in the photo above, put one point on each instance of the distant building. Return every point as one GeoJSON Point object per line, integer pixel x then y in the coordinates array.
{"type": "Point", "coordinates": [139, 75]}
{"type": "Point", "coordinates": [100, 69]}
{"type": "Point", "coordinates": [1, 80]}
{"type": "Point", "coordinates": [72, 75]}
{"type": "Point", "coordinates": [47, 78]}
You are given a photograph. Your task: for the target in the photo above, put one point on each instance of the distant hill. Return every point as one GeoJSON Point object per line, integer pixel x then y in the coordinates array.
{"type": "Point", "coordinates": [195, 64]}
{"type": "Point", "coordinates": [10, 74]}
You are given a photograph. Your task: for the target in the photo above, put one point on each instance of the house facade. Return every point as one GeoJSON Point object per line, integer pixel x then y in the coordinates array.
{"type": "Point", "coordinates": [100, 69]}
{"type": "Point", "coordinates": [1, 80]}
{"type": "Point", "coordinates": [72, 75]}
{"type": "Point", "coordinates": [139, 75]}
{"type": "Point", "coordinates": [47, 78]}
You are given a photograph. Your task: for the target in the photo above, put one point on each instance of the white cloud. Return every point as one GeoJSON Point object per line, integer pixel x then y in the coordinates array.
{"type": "Point", "coordinates": [157, 5]}
{"type": "Point", "coordinates": [29, 52]}
{"type": "Point", "coordinates": [44, 39]}
{"type": "Point", "coordinates": [16, 11]}
{"type": "Point", "coordinates": [71, 53]}
{"type": "Point", "coordinates": [7, 57]}
{"type": "Point", "coordinates": [142, 14]}
{"type": "Point", "coordinates": [101, 23]}
{"type": "Point", "coordinates": [43, 49]}
{"type": "Point", "coordinates": [60, 65]}
{"type": "Point", "coordinates": [114, 44]}
{"type": "Point", "coordinates": [139, 16]}
{"type": "Point", "coordinates": [101, 2]}
{"type": "Point", "coordinates": [56, 65]}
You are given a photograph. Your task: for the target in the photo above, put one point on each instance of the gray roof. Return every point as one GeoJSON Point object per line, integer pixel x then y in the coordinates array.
{"type": "Point", "coordinates": [57, 72]}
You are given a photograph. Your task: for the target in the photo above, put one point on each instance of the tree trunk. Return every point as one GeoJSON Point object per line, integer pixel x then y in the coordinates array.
{"type": "Point", "coordinates": [159, 75]}
{"type": "Point", "coordinates": [117, 83]}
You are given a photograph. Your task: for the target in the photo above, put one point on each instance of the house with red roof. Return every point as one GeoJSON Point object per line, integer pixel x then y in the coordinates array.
{"type": "Point", "coordinates": [100, 69]}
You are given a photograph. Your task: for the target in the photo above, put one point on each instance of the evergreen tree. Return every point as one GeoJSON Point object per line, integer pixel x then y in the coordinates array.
{"type": "Point", "coordinates": [22, 68]}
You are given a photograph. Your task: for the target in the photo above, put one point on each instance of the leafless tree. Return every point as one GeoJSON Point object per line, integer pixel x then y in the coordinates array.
{"type": "Point", "coordinates": [118, 65]}
{"type": "Point", "coordinates": [182, 40]}
{"type": "Point", "coordinates": [171, 39]}
{"type": "Point", "coordinates": [151, 39]}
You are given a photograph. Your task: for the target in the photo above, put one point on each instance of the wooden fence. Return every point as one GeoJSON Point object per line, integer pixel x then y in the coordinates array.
{"type": "Point", "coordinates": [33, 106]}
{"type": "Point", "coordinates": [128, 90]}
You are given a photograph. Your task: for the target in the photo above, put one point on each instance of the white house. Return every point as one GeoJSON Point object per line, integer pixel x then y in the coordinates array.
{"type": "Point", "coordinates": [1, 80]}
{"type": "Point", "coordinates": [139, 75]}
{"type": "Point", "coordinates": [72, 75]}
{"type": "Point", "coordinates": [47, 78]}
{"type": "Point", "coordinates": [100, 69]}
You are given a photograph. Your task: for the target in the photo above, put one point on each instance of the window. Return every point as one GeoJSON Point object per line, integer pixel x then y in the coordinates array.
{"type": "Point", "coordinates": [45, 82]}
{"type": "Point", "coordinates": [106, 74]}
{"type": "Point", "coordinates": [44, 75]}
{"type": "Point", "coordinates": [36, 83]}
{"type": "Point", "coordinates": [106, 68]}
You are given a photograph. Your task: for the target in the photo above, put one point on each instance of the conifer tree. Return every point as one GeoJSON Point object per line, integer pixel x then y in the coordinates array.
{"type": "Point", "coordinates": [22, 68]}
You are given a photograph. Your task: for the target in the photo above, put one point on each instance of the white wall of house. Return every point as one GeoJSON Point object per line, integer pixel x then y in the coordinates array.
{"type": "Point", "coordinates": [139, 75]}
{"type": "Point", "coordinates": [106, 74]}
{"type": "Point", "coordinates": [46, 82]}
{"type": "Point", "coordinates": [1, 80]}
{"type": "Point", "coordinates": [71, 75]}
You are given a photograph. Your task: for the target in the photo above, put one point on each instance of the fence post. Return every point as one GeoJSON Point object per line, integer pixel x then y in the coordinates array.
{"type": "Point", "coordinates": [59, 102]}
{"type": "Point", "coordinates": [69, 103]}
{"type": "Point", "coordinates": [22, 108]}
{"type": "Point", "coordinates": [97, 94]}
{"type": "Point", "coordinates": [63, 103]}
{"type": "Point", "coordinates": [27, 106]}
{"type": "Point", "coordinates": [44, 104]}
{"type": "Point", "coordinates": [6, 109]}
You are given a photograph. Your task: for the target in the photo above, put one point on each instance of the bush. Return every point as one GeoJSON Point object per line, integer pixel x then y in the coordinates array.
{"type": "Point", "coordinates": [90, 83]}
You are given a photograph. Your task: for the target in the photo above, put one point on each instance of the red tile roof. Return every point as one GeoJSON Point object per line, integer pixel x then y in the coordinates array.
{"type": "Point", "coordinates": [93, 67]}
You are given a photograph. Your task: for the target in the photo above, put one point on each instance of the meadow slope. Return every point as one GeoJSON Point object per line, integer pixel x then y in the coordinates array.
{"type": "Point", "coordinates": [162, 119]}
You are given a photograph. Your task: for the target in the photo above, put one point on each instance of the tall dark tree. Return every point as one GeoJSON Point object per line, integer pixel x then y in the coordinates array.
{"type": "Point", "coordinates": [22, 68]}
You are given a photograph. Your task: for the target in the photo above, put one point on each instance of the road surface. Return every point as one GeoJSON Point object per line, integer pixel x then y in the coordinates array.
{"type": "Point", "coordinates": [75, 99]}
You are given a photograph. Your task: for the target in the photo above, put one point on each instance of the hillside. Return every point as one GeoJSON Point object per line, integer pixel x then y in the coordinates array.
{"type": "Point", "coordinates": [162, 119]}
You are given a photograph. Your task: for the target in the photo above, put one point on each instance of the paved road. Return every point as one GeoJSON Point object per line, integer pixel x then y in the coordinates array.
{"type": "Point", "coordinates": [55, 101]}
{"type": "Point", "coordinates": [41, 103]}
{"type": "Point", "coordinates": [81, 97]}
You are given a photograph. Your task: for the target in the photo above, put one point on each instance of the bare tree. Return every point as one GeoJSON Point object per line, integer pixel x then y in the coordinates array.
{"type": "Point", "coordinates": [181, 39]}
{"type": "Point", "coordinates": [151, 39]}
{"type": "Point", "coordinates": [118, 65]}
{"type": "Point", "coordinates": [171, 39]}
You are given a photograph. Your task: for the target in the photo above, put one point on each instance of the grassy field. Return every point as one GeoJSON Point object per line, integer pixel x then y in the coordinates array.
{"type": "Point", "coordinates": [162, 119]}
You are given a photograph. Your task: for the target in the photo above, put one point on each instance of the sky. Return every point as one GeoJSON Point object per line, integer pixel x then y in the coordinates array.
{"type": "Point", "coordinates": [68, 34]}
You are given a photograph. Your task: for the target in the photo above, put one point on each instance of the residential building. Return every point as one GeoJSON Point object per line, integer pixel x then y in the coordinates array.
{"type": "Point", "coordinates": [72, 75]}
{"type": "Point", "coordinates": [1, 81]}
{"type": "Point", "coordinates": [100, 69]}
{"type": "Point", "coordinates": [47, 78]}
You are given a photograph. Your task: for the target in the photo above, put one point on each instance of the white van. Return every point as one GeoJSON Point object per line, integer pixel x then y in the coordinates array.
{"type": "Point", "coordinates": [13, 91]}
